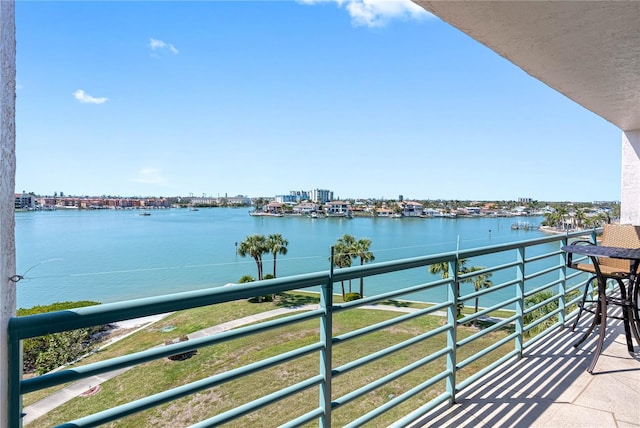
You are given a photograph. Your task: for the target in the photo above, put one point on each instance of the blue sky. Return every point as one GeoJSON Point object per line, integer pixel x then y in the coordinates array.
{"type": "Point", "coordinates": [260, 98]}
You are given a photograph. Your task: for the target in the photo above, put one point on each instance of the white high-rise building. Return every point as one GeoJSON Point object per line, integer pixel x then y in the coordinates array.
{"type": "Point", "coordinates": [320, 195]}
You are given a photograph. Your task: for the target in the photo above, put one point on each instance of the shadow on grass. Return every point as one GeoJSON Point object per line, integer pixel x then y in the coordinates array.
{"type": "Point", "coordinates": [286, 299]}
{"type": "Point", "coordinates": [395, 303]}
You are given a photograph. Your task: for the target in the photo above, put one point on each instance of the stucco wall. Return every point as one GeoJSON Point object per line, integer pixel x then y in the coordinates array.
{"type": "Point", "coordinates": [630, 186]}
{"type": "Point", "coordinates": [7, 188]}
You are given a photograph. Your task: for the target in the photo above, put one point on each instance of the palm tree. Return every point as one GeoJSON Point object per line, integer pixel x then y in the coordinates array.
{"type": "Point", "coordinates": [342, 255]}
{"type": "Point", "coordinates": [479, 282]}
{"type": "Point", "coordinates": [361, 249]}
{"type": "Point", "coordinates": [276, 245]}
{"type": "Point", "coordinates": [562, 212]}
{"type": "Point", "coordinates": [254, 246]}
{"type": "Point", "coordinates": [443, 268]}
{"type": "Point", "coordinates": [552, 219]}
{"type": "Point", "coordinates": [580, 218]}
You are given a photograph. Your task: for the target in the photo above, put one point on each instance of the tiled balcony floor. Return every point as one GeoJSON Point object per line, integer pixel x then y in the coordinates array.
{"type": "Point", "coordinates": [550, 388]}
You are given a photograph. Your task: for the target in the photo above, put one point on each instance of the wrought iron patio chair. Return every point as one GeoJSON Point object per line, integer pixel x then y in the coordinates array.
{"type": "Point", "coordinates": [614, 235]}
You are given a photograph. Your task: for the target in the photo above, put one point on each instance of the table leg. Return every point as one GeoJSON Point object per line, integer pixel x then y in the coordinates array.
{"type": "Point", "coordinates": [602, 310]}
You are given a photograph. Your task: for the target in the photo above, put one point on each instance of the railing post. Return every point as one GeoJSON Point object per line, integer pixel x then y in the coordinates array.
{"type": "Point", "coordinates": [7, 196]}
{"type": "Point", "coordinates": [14, 401]}
{"type": "Point", "coordinates": [520, 306]}
{"type": "Point", "coordinates": [453, 291]}
{"type": "Point", "coordinates": [326, 337]}
{"type": "Point", "coordinates": [562, 302]}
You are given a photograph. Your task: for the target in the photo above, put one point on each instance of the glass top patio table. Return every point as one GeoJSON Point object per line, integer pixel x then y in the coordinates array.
{"type": "Point", "coordinates": [629, 304]}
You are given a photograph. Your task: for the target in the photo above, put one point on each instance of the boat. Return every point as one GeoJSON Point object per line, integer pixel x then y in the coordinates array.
{"type": "Point", "coordinates": [145, 214]}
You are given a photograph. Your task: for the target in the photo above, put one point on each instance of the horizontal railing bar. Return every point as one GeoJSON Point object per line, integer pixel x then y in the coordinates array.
{"type": "Point", "coordinates": [390, 266]}
{"type": "Point", "coordinates": [389, 295]}
{"type": "Point", "coordinates": [481, 373]}
{"type": "Point", "coordinates": [381, 325]}
{"type": "Point", "coordinates": [341, 401]}
{"type": "Point", "coordinates": [499, 248]}
{"type": "Point", "coordinates": [151, 401]}
{"type": "Point", "coordinates": [254, 405]}
{"type": "Point", "coordinates": [543, 272]}
{"type": "Point", "coordinates": [389, 350]}
{"type": "Point", "coordinates": [537, 290]}
{"type": "Point", "coordinates": [495, 307]}
{"type": "Point", "coordinates": [421, 411]}
{"type": "Point", "coordinates": [304, 419]}
{"type": "Point", "coordinates": [542, 319]}
{"type": "Point", "coordinates": [107, 313]}
{"type": "Point", "coordinates": [398, 400]}
{"type": "Point", "coordinates": [489, 290]}
{"type": "Point", "coordinates": [539, 305]}
{"type": "Point", "coordinates": [486, 350]}
{"type": "Point", "coordinates": [487, 330]}
{"type": "Point", "coordinates": [490, 269]}
{"type": "Point", "coordinates": [542, 334]}
{"type": "Point", "coordinates": [80, 372]}
{"type": "Point", "coordinates": [543, 256]}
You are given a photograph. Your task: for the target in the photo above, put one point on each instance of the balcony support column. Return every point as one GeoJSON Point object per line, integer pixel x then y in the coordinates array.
{"type": "Point", "coordinates": [630, 186]}
{"type": "Point", "coordinates": [326, 336]}
{"type": "Point", "coordinates": [7, 192]}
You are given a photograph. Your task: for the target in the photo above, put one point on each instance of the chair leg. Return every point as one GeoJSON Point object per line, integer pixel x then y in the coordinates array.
{"type": "Point", "coordinates": [633, 312]}
{"type": "Point", "coordinates": [625, 316]}
{"type": "Point", "coordinates": [589, 285]}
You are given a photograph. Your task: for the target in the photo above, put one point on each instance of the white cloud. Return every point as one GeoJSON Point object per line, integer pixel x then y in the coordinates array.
{"type": "Point", "coordinates": [85, 98]}
{"type": "Point", "coordinates": [377, 13]}
{"type": "Point", "coordinates": [156, 44]}
{"type": "Point", "coordinates": [150, 176]}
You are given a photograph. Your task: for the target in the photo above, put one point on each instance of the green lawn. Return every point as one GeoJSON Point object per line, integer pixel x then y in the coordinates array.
{"type": "Point", "coordinates": [153, 377]}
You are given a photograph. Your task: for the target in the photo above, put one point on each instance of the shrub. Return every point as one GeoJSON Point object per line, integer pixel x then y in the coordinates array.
{"type": "Point", "coordinates": [351, 296]}
{"type": "Point", "coordinates": [44, 353]}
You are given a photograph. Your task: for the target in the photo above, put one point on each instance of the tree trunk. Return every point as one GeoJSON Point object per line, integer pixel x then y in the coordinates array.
{"type": "Point", "coordinates": [274, 265]}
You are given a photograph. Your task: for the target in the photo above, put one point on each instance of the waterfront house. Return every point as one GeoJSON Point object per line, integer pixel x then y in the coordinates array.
{"type": "Point", "coordinates": [337, 209]}
{"type": "Point", "coordinates": [274, 208]}
{"type": "Point", "coordinates": [411, 208]}
{"type": "Point", "coordinates": [305, 208]}
{"type": "Point", "coordinates": [383, 212]}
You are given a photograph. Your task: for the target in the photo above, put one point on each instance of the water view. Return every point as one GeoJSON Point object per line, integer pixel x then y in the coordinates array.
{"type": "Point", "coordinates": [112, 255]}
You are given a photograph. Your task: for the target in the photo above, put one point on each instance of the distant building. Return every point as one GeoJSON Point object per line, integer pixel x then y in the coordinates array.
{"type": "Point", "coordinates": [411, 208]}
{"type": "Point", "coordinates": [305, 208]}
{"type": "Point", "coordinates": [339, 208]}
{"type": "Point", "coordinates": [320, 196]}
{"type": "Point", "coordinates": [286, 199]}
{"type": "Point", "coordinates": [525, 200]}
{"type": "Point", "coordinates": [299, 195]}
{"type": "Point", "coordinates": [25, 201]}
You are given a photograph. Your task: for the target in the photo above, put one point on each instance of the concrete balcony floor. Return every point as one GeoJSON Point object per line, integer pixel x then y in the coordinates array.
{"type": "Point", "coordinates": [550, 387]}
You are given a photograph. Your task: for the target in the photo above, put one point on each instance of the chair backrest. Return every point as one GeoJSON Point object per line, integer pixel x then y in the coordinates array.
{"type": "Point", "coordinates": [622, 236]}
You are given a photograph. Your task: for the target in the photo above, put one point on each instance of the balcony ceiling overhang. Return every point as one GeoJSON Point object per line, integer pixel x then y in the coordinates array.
{"type": "Point", "coordinates": [586, 50]}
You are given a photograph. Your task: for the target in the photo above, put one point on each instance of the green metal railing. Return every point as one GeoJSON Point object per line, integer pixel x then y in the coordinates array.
{"type": "Point", "coordinates": [531, 267]}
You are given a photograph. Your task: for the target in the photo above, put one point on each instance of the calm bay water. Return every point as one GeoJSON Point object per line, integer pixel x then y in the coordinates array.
{"type": "Point", "coordinates": [109, 255]}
